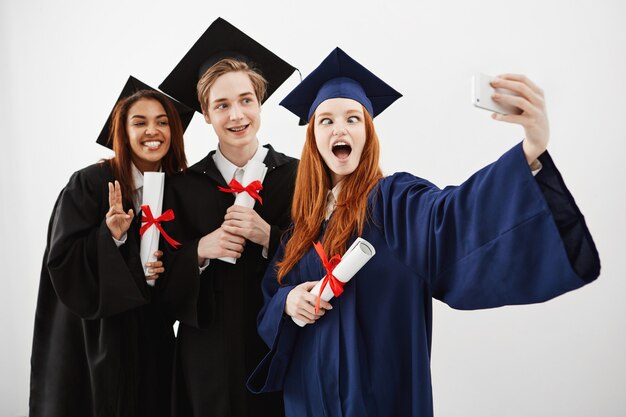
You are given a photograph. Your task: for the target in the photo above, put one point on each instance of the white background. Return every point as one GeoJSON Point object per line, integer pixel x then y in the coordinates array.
{"type": "Point", "coordinates": [63, 64]}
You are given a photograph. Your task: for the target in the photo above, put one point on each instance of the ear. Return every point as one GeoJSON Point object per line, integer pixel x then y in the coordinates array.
{"type": "Point", "coordinates": [206, 116]}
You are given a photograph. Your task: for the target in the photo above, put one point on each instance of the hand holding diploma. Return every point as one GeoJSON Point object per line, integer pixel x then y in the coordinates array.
{"type": "Point", "coordinates": [244, 222]}
{"type": "Point", "coordinates": [340, 271]}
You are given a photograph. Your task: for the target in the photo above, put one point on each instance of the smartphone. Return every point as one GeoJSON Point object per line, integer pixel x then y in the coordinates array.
{"type": "Point", "coordinates": [482, 92]}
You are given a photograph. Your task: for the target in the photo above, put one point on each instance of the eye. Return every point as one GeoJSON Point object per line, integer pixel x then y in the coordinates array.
{"type": "Point", "coordinates": [247, 100]}
{"type": "Point", "coordinates": [163, 123]}
{"type": "Point", "coordinates": [326, 121]}
{"type": "Point", "coordinates": [221, 106]}
{"type": "Point", "coordinates": [139, 123]}
{"type": "Point", "coordinates": [353, 119]}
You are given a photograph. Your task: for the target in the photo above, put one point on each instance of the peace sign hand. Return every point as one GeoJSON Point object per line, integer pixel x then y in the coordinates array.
{"type": "Point", "coordinates": [117, 220]}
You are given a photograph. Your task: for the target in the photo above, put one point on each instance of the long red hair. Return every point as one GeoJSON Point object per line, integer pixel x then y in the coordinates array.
{"type": "Point", "coordinates": [309, 201]}
{"type": "Point", "coordinates": [173, 162]}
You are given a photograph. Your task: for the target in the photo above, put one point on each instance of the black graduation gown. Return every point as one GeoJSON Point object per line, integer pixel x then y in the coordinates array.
{"type": "Point", "coordinates": [218, 345]}
{"type": "Point", "coordinates": [100, 347]}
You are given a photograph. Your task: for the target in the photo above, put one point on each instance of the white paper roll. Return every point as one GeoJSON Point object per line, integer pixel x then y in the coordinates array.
{"type": "Point", "coordinates": [253, 171]}
{"type": "Point", "coordinates": [357, 255]}
{"type": "Point", "coordinates": [153, 184]}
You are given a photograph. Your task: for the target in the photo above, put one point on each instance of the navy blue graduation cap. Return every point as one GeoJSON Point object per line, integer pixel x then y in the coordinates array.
{"type": "Point", "coordinates": [339, 76]}
{"type": "Point", "coordinates": [131, 87]}
{"type": "Point", "coordinates": [223, 40]}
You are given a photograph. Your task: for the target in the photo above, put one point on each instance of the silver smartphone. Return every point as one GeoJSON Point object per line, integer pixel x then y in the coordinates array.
{"type": "Point", "coordinates": [482, 92]}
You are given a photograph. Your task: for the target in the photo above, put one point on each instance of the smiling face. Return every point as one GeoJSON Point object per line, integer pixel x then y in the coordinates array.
{"type": "Point", "coordinates": [234, 111]}
{"type": "Point", "coordinates": [149, 134]}
{"type": "Point", "coordinates": [340, 135]}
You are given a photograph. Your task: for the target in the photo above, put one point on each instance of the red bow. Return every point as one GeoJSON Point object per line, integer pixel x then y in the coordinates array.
{"type": "Point", "coordinates": [335, 285]}
{"type": "Point", "coordinates": [252, 189]}
{"type": "Point", "coordinates": [149, 220]}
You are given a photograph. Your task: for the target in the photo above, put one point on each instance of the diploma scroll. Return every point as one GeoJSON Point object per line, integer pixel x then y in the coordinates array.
{"type": "Point", "coordinates": [357, 255]}
{"type": "Point", "coordinates": [254, 171]}
{"type": "Point", "coordinates": [153, 184]}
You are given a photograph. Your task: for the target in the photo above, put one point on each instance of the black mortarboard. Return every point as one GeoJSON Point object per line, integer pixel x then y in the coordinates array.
{"type": "Point", "coordinates": [131, 87]}
{"type": "Point", "coordinates": [339, 76]}
{"type": "Point", "coordinates": [223, 40]}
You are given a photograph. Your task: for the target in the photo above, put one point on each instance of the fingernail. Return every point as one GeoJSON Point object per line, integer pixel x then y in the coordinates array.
{"type": "Point", "coordinates": [151, 271]}
{"type": "Point", "coordinates": [496, 96]}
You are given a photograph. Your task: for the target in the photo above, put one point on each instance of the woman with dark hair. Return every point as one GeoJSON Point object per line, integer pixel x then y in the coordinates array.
{"type": "Point", "coordinates": [100, 346]}
{"type": "Point", "coordinates": [510, 234]}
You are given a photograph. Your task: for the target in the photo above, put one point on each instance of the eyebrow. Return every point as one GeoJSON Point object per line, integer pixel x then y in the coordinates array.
{"type": "Point", "coordinates": [247, 93]}
{"type": "Point", "coordinates": [141, 116]}
{"type": "Point", "coordinates": [351, 111]}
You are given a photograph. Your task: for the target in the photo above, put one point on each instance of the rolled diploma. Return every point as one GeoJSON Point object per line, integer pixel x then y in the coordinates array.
{"type": "Point", "coordinates": [357, 255]}
{"type": "Point", "coordinates": [153, 183]}
{"type": "Point", "coordinates": [254, 171]}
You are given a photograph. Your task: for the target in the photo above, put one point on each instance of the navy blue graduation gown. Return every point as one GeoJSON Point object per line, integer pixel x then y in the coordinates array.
{"type": "Point", "coordinates": [101, 347]}
{"type": "Point", "coordinates": [502, 237]}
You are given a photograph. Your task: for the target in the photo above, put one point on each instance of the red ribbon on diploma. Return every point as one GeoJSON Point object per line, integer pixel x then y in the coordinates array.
{"type": "Point", "coordinates": [148, 219]}
{"type": "Point", "coordinates": [335, 285]}
{"type": "Point", "coordinates": [252, 189]}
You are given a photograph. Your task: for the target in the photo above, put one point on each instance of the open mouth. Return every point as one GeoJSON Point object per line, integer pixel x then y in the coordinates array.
{"type": "Point", "coordinates": [341, 150]}
{"type": "Point", "coordinates": [238, 129]}
{"type": "Point", "coordinates": [152, 144]}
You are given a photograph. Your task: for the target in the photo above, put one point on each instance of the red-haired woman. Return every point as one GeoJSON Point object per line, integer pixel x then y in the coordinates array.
{"type": "Point", "coordinates": [100, 346]}
{"type": "Point", "coordinates": [502, 237]}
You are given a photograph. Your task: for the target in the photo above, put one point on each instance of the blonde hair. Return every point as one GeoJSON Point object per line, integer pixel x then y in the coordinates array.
{"type": "Point", "coordinates": [224, 66]}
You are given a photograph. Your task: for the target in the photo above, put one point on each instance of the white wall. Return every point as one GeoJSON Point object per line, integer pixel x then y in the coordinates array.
{"type": "Point", "coordinates": [63, 64]}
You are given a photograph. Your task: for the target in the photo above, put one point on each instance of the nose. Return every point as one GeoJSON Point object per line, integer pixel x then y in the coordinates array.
{"type": "Point", "coordinates": [235, 113]}
{"type": "Point", "coordinates": [151, 130]}
{"type": "Point", "coordinates": [339, 131]}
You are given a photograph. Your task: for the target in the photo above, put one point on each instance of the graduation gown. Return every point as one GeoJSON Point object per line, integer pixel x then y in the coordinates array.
{"type": "Point", "coordinates": [100, 347]}
{"type": "Point", "coordinates": [217, 345]}
{"type": "Point", "coordinates": [502, 237]}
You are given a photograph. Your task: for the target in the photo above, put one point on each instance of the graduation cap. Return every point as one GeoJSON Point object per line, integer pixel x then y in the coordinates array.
{"type": "Point", "coordinates": [131, 87]}
{"type": "Point", "coordinates": [223, 40]}
{"type": "Point", "coordinates": [339, 76]}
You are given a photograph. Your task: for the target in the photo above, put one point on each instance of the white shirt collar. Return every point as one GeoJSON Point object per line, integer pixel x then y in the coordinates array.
{"type": "Point", "coordinates": [227, 168]}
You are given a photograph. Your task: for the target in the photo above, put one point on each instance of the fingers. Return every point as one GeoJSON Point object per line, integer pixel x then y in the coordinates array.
{"type": "Point", "coordinates": [111, 196]}
{"type": "Point", "coordinates": [524, 80]}
{"type": "Point", "coordinates": [118, 194]}
{"type": "Point", "coordinates": [530, 92]}
{"type": "Point", "coordinates": [508, 118]}
{"type": "Point", "coordinates": [300, 303]}
{"type": "Point", "coordinates": [158, 254]}
{"type": "Point", "coordinates": [153, 268]}
{"type": "Point", "coordinates": [221, 243]}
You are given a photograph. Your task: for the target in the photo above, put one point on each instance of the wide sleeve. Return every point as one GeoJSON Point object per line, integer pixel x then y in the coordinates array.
{"type": "Point", "coordinates": [90, 275]}
{"type": "Point", "coordinates": [499, 238]}
{"type": "Point", "coordinates": [276, 329]}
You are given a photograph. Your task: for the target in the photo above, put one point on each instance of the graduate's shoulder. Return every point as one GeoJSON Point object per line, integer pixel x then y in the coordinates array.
{"type": "Point", "coordinates": [275, 159]}
{"type": "Point", "coordinates": [403, 180]}
{"type": "Point", "coordinates": [94, 175]}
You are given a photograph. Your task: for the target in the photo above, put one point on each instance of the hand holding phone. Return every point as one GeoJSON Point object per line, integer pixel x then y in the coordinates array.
{"type": "Point", "coordinates": [482, 92]}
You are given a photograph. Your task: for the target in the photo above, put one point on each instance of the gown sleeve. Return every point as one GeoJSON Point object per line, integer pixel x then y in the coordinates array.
{"type": "Point", "coordinates": [502, 237]}
{"type": "Point", "coordinates": [90, 275]}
